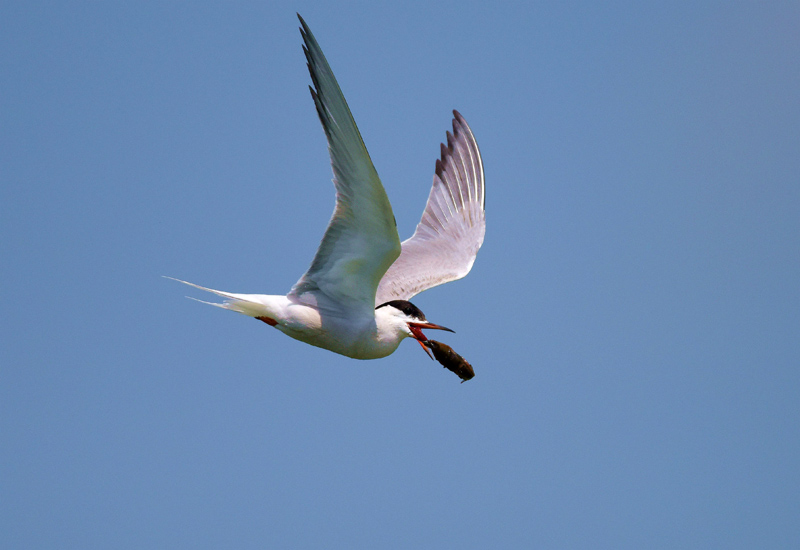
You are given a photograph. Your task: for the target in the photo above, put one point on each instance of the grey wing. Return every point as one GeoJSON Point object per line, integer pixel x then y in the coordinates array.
{"type": "Point", "coordinates": [447, 238]}
{"type": "Point", "coordinates": [361, 241]}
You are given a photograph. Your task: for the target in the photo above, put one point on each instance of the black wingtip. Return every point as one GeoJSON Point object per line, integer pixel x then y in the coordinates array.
{"type": "Point", "coordinates": [304, 30]}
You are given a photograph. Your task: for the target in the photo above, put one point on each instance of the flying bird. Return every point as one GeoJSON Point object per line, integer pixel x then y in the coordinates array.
{"type": "Point", "coordinates": [353, 300]}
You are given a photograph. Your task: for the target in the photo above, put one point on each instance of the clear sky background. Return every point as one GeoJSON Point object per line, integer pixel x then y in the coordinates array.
{"type": "Point", "coordinates": [633, 317]}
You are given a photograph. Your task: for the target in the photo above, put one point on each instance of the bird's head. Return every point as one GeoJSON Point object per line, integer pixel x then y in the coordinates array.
{"type": "Point", "coordinates": [408, 320]}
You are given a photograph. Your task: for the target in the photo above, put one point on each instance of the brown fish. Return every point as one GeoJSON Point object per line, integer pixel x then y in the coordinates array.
{"type": "Point", "coordinates": [451, 360]}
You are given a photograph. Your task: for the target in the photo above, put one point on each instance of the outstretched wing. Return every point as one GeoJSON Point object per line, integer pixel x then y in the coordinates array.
{"type": "Point", "coordinates": [447, 239]}
{"type": "Point", "coordinates": [361, 240]}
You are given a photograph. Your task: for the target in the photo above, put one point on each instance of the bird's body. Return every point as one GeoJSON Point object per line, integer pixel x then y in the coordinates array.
{"type": "Point", "coordinates": [320, 322]}
{"type": "Point", "coordinates": [353, 298]}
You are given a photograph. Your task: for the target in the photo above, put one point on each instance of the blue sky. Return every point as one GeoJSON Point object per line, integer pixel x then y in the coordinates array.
{"type": "Point", "coordinates": [633, 316]}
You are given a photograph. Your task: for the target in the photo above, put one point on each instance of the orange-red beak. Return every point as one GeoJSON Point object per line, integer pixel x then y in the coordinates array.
{"type": "Point", "coordinates": [416, 330]}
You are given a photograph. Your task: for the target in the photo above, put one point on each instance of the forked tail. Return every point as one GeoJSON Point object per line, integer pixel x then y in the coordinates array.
{"type": "Point", "coordinates": [246, 304]}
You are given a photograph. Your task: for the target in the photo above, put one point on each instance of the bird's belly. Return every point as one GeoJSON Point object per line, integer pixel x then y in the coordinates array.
{"type": "Point", "coordinates": [352, 338]}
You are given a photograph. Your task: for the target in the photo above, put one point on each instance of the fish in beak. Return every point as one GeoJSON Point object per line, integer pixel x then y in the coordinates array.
{"type": "Point", "coordinates": [451, 360]}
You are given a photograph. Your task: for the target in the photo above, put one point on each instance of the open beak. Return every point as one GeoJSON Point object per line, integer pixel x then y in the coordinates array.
{"type": "Point", "coordinates": [416, 330]}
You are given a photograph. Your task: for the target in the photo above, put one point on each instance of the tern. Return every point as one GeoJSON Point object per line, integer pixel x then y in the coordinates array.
{"type": "Point", "coordinates": [353, 300]}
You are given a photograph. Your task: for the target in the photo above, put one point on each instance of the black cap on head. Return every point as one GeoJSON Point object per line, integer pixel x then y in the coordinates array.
{"type": "Point", "coordinates": [406, 307]}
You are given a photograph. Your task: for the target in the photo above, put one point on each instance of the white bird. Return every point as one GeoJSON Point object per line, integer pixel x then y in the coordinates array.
{"type": "Point", "coordinates": [353, 300]}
